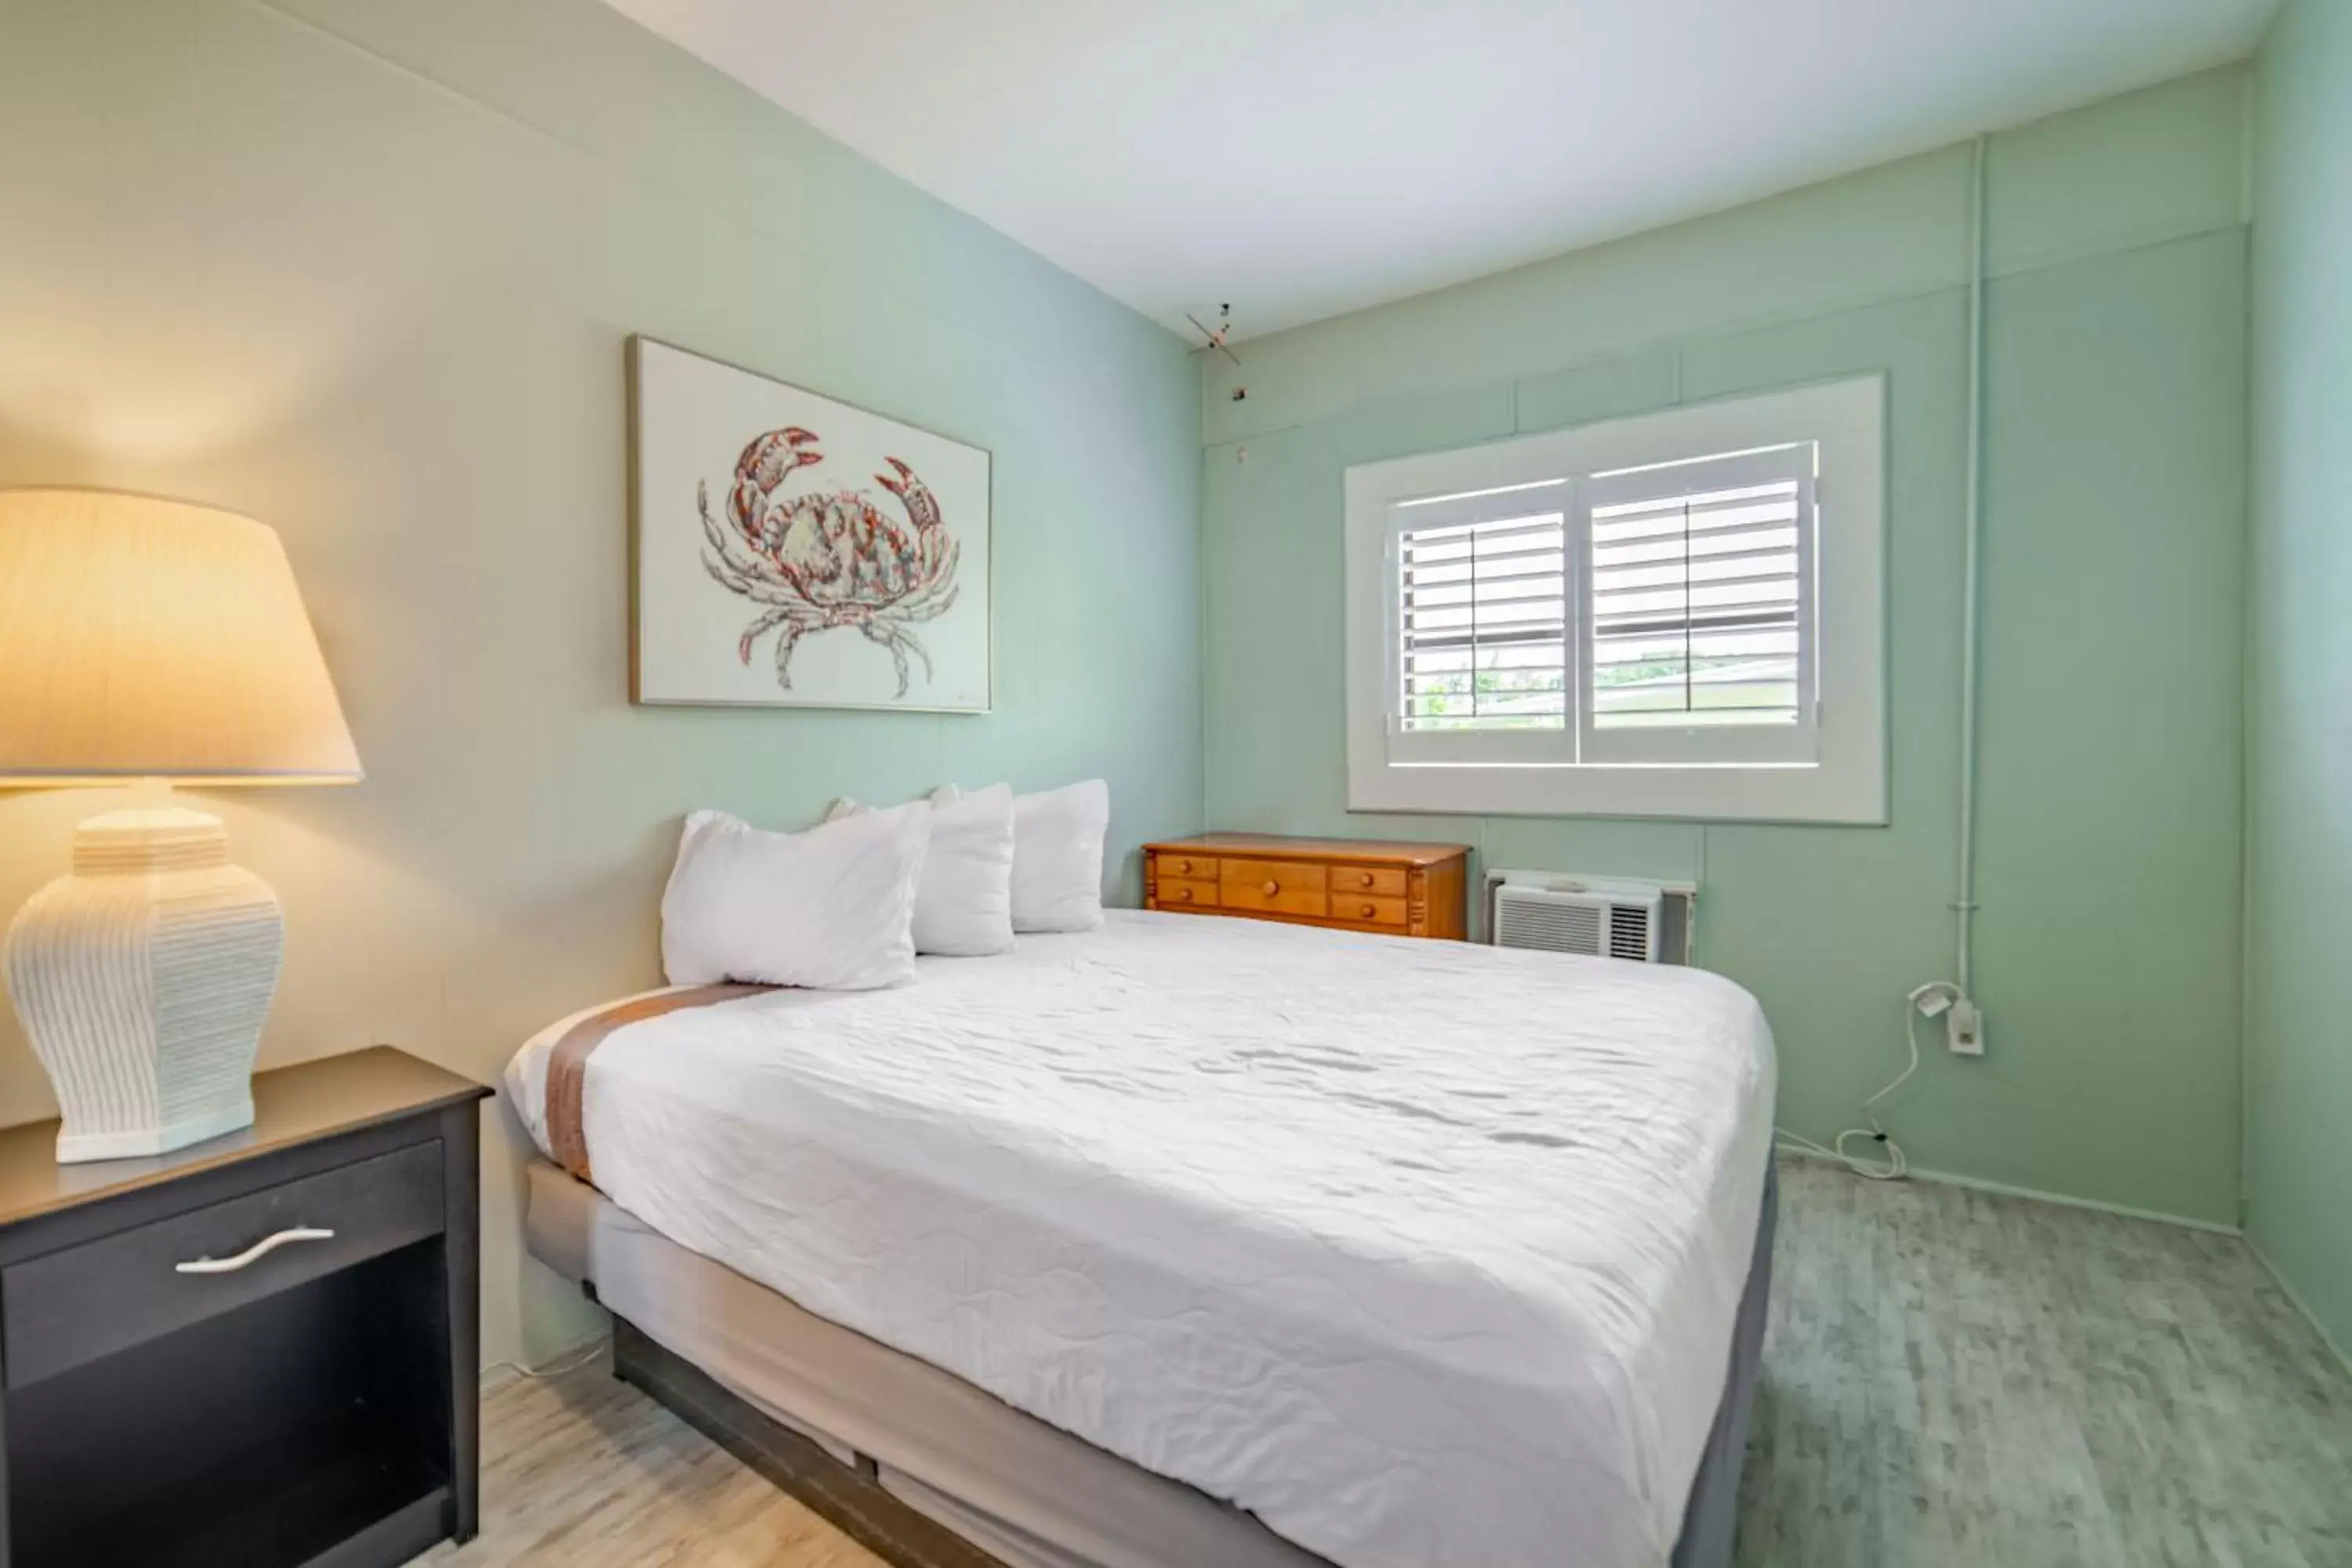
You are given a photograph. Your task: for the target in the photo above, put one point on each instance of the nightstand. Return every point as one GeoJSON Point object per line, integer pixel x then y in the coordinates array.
{"type": "Point", "coordinates": [261, 1350]}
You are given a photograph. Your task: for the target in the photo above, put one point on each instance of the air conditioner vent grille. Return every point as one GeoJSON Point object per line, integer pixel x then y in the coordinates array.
{"type": "Point", "coordinates": [1629, 932]}
{"type": "Point", "coordinates": [1598, 924]}
{"type": "Point", "coordinates": [1555, 926]}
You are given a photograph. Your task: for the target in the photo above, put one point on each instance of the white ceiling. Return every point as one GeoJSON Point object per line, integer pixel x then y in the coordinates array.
{"type": "Point", "coordinates": [1301, 158]}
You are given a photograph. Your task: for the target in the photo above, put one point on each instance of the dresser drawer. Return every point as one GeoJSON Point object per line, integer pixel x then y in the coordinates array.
{"type": "Point", "coordinates": [1361, 910]}
{"type": "Point", "coordinates": [1381, 881]}
{"type": "Point", "coordinates": [1279, 887]}
{"type": "Point", "coordinates": [1187, 895]}
{"type": "Point", "coordinates": [1185, 867]}
{"type": "Point", "coordinates": [76, 1305]}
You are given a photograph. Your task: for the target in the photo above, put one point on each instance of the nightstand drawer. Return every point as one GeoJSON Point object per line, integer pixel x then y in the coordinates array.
{"type": "Point", "coordinates": [74, 1306]}
{"type": "Point", "coordinates": [1186, 867]}
{"type": "Point", "coordinates": [1289, 887]}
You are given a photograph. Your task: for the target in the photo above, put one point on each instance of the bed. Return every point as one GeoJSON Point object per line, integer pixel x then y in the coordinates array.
{"type": "Point", "coordinates": [1198, 1241]}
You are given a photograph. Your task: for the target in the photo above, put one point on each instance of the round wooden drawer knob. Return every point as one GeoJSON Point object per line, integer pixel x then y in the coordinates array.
{"type": "Point", "coordinates": [1272, 887]}
{"type": "Point", "coordinates": [1369, 912]}
{"type": "Point", "coordinates": [1183, 895]}
{"type": "Point", "coordinates": [1184, 866]}
{"type": "Point", "coordinates": [1367, 880]}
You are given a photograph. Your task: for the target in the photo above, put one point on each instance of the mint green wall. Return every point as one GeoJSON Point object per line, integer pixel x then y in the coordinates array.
{"type": "Point", "coordinates": [363, 269]}
{"type": "Point", "coordinates": [2111, 781]}
{"type": "Point", "coordinates": [2299, 914]}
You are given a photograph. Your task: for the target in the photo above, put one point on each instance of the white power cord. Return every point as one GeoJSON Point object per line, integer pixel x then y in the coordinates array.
{"type": "Point", "coordinates": [565, 1362]}
{"type": "Point", "coordinates": [1931, 999]}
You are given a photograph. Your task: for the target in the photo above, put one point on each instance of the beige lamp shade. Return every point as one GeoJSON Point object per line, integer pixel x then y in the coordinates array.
{"type": "Point", "coordinates": [144, 638]}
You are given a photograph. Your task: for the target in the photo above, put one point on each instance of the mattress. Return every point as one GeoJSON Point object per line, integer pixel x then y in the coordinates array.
{"type": "Point", "coordinates": [1028, 1494]}
{"type": "Point", "coordinates": [1420, 1253]}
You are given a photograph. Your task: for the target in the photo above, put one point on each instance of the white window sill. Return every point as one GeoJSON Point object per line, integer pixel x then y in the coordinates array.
{"type": "Point", "coordinates": [1852, 796]}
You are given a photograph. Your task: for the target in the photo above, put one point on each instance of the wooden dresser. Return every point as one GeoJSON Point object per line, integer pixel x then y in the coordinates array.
{"type": "Point", "coordinates": [1350, 884]}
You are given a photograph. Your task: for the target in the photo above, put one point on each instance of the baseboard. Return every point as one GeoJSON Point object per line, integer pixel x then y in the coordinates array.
{"type": "Point", "coordinates": [2003, 1189]}
{"type": "Point", "coordinates": [2294, 1300]}
{"type": "Point", "coordinates": [498, 1373]}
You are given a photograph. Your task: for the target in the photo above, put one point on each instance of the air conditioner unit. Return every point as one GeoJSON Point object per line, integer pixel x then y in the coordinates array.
{"type": "Point", "coordinates": [1552, 911]}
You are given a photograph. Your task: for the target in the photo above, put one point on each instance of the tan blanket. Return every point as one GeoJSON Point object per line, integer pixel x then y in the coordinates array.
{"type": "Point", "coordinates": [567, 1064]}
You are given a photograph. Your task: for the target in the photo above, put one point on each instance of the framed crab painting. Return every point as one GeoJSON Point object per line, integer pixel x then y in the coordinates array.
{"type": "Point", "coordinates": [794, 551]}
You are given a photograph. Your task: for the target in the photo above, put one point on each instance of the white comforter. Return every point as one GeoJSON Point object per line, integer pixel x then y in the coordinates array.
{"type": "Point", "coordinates": [1423, 1253]}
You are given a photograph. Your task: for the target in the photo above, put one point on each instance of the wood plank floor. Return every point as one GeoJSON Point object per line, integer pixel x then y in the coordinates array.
{"type": "Point", "coordinates": [1952, 1378]}
{"type": "Point", "coordinates": [1956, 1378]}
{"type": "Point", "coordinates": [586, 1472]}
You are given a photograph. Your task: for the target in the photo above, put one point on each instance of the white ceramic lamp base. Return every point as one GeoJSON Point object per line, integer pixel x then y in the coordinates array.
{"type": "Point", "coordinates": [143, 979]}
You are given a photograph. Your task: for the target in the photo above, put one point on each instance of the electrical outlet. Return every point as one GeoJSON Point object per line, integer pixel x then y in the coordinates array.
{"type": "Point", "coordinates": [1964, 1028]}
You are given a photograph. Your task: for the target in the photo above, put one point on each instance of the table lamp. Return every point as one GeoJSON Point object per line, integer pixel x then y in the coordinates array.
{"type": "Point", "coordinates": [150, 642]}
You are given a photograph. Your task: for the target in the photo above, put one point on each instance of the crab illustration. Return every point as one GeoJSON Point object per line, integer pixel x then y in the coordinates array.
{"type": "Point", "coordinates": [827, 559]}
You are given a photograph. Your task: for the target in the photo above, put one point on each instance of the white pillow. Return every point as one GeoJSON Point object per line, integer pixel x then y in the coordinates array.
{"type": "Point", "coordinates": [963, 904]}
{"type": "Point", "coordinates": [832, 908]}
{"type": "Point", "coordinates": [1058, 857]}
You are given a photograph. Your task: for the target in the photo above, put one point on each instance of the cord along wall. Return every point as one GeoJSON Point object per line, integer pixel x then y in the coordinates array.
{"type": "Point", "coordinates": [1871, 1150]}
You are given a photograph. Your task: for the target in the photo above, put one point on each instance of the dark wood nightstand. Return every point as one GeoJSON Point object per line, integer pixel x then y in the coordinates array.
{"type": "Point", "coordinates": [261, 1350]}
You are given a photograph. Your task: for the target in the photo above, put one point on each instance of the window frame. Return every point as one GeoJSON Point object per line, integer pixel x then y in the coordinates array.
{"type": "Point", "coordinates": [1538, 773]}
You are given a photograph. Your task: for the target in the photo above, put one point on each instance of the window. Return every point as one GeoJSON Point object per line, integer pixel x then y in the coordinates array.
{"type": "Point", "coordinates": [1655, 616]}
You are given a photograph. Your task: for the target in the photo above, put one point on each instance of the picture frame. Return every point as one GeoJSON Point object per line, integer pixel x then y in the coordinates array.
{"type": "Point", "coordinates": [865, 582]}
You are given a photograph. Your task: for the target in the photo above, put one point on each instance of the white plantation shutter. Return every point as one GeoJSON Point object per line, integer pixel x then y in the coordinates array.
{"type": "Point", "coordinates": [1697, 640]}
{"type": "Point", "coordinates": [1657, 615]}
{"type": "Point", "coordinates": [1483, 608]}
{"type": "Point", "coordinates": [1676, 614]}
{"type": "Point", "coordinates": [1482, 657]}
